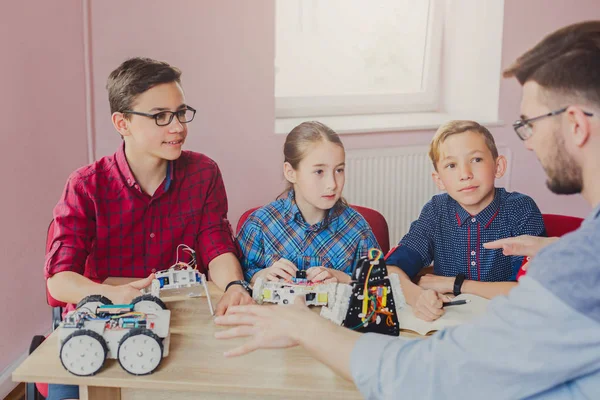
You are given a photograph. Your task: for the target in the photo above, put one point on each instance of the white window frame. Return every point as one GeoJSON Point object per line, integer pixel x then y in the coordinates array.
{"type": "Point", "coordinates": [464, 79]}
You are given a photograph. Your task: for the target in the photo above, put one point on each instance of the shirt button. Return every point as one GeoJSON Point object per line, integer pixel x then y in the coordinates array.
{"type": "Point", "coordinates": [129, 181]}
{"type": "Point", "coordinates": [55, 244]}
{"type": "Point", "coordinates": [152, 235]}
{"type": "Point", "coordinates": [473, 263]}
{"type": "Point", "coordinates": [472, 253]}
{"type": "Point", "coordinates": [153, 270]}
{"type": "Point", "coordinates": [137, 186]}
{"type": "Point", "coordinates": [473, 220]}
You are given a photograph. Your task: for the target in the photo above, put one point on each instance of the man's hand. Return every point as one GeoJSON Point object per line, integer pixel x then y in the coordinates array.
{"type": "Point", "coordinates": [428, 305]}
{"type": "Point", "coordinates": [123, 294]}
{"type": "Point", "coordinates": [235, 295]}
{"type": "Point", "coordinates": [441, 284]}
{"type": "Point", "coordinates": [524, 245]}
{"type": "Point", "coordinates": [269, 327]}
{"type": "Point", "coordinates": [281, 269]}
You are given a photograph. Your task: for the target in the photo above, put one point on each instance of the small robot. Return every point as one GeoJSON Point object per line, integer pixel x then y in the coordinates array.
{"type": "Point", "coordinates": [316, 294]}
{"type": "Point", "coordinates": [182, 275]}
{"type": "Point", "coordinates": [376, 297]}
{"type": "Point", "coordinates": [136, 334]}
{"type": "Point", "coordinates": [330, 296]}
{"type": "Point", "coordinates": [370, 303]}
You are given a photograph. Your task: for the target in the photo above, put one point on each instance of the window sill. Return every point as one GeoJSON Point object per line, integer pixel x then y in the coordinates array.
{"type": "Point", "coordinates": [349, 124]}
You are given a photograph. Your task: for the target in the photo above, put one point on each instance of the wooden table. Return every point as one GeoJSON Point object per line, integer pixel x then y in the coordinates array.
{"type": "Point", "coordinates": [196, 367]}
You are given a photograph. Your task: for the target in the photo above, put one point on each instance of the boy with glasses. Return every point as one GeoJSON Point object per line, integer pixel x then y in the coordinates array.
{"type": "Point", "coordinates": [125, 214]}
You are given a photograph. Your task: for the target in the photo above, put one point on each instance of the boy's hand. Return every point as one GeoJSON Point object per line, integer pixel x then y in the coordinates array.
{"type": "Point", "coordinates": [124, 294]}
{"type": "Point", "coordinates": [281, 268]}
{"type": "Point", "coordinates": [524, 245]}
{"type": "Point", "coordinates": [429, 305]}
{"type": "Point", "coordinates": [441, 284]}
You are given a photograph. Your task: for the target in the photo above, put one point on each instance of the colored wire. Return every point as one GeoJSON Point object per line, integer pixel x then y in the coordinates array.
{"type": "Point", "coordinates": [366, 320]}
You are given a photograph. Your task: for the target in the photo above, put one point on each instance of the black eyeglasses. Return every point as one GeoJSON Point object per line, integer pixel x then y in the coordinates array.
{"type": "Point", "coordinates": [164, 118]}
{"type": "Point", "coordinates": [525, 130]}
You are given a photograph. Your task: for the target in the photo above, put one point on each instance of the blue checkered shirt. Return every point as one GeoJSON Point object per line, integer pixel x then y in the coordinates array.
{"type": "Point", "coordinates": [278, 230]}
{"type": "Point", "coordinates": [447, 235]}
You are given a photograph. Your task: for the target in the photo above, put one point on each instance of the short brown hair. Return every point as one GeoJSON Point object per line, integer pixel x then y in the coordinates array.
{"type": "Point", "coordinates": [133, 77]}
{"type": "Point", "coordinates": [566, 61]}
{"type": "Point", "coordinates": [454, 128]}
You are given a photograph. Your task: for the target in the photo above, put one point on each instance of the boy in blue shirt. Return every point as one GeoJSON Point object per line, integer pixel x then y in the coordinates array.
{"type": "Point", "coordinates": [453, 226]}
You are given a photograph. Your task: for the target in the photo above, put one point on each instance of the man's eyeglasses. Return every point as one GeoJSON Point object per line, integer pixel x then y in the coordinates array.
{"type": "Point", "coordinates": [164, 118]}
{"type": "Point", "coordinates": [523, 126]}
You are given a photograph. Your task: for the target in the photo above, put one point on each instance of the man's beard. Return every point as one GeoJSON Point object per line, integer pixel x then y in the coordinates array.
{"type": "Point", "coordinates": [564, 173]}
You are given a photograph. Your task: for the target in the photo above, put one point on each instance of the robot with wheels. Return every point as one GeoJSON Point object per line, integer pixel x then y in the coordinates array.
{"type": "Point", "coordinates": [182, 275]}
{"type": "Point", "coordinates": [137, 334]}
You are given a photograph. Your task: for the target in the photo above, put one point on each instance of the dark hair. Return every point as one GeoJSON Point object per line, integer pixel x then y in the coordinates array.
{"type": "Point", "coordinates": [566, 61]}
{"type": "Point", "coordinates": [133, 77]}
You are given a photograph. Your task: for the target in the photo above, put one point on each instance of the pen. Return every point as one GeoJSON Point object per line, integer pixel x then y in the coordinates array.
{"type": "Point", "coordinates": [456, 303]}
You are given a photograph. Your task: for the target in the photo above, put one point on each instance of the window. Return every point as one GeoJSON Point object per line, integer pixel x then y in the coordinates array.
{"type": "Point", "coordinates": [390, 65]}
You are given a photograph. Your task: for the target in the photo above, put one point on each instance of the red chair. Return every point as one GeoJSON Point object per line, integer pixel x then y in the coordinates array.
{"type": "Point", "coordinates": [556, 226]}
{"type": "Point", "coordinates": [35, 391]}
{"type": "Point", "coordinates": [374, 218]}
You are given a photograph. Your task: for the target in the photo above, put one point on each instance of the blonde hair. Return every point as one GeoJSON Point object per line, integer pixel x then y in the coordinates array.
{"type": "Point", "coordinates": [455, 127]}
{"type": "Point", "coordinates": [300, 139]}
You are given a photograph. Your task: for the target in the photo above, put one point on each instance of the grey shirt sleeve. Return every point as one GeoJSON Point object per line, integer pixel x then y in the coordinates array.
{"type": "Point", "coordinates": [529, 343]}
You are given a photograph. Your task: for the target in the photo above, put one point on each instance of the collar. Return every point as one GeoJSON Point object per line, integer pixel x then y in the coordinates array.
{"type": "Point", "coordinates": [129, 179]}
{"type": "Point", "coordinates": [485, 216]}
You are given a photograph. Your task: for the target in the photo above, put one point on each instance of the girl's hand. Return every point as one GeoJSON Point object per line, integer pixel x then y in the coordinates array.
{"type": "Point", "coordinates": [281, 269]}
{"type": "Point", "coordinates": [326, 275]}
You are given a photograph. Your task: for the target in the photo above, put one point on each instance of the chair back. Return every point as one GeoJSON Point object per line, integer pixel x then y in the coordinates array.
{"type": "Point", "coordinates": [556, 226]}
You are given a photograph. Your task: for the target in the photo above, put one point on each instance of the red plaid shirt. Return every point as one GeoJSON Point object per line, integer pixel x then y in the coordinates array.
{"type": "Point", "coordinates": [106, 226]}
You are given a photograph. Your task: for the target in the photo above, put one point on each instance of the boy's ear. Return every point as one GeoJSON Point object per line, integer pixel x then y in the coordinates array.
{"type": "Point", "coordinates": [289, 172]}
{"type": "Point", "coordinates": [501, 165]}
{"type": "Point", "coordinates": [120, 123]}
{"type": "Point", "coordinates": [437, 180]}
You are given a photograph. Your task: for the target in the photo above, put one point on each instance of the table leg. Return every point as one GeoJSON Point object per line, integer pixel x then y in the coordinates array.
{"type": "Point", "coordinates": [99, 393]}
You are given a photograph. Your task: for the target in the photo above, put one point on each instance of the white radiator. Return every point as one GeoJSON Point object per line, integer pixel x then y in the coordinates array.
{"type": "Point", "coordinates": [396, 182]}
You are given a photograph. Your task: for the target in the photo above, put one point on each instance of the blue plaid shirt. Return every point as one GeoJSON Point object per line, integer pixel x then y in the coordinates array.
{"type": "Point", "coordinates": [448, 235]}
{"type": "Point", "coordinates": [278, 230]}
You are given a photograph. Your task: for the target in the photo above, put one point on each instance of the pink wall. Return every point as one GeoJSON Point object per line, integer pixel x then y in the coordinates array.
{"type": "Point", "coordinates": [42, 111]}
{"type": "Point", "coordinates": [225, 50]}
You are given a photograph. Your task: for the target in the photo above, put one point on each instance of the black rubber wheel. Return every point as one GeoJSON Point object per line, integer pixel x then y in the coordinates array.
{"type": "Point", "coordinates": [149, 297]}
{"type": "Point", "coordinates": [95, 298]}
{"type": "Point", "coordinates": [100, 352]}
{"type": "Point", "coordinates": [151, 352]}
